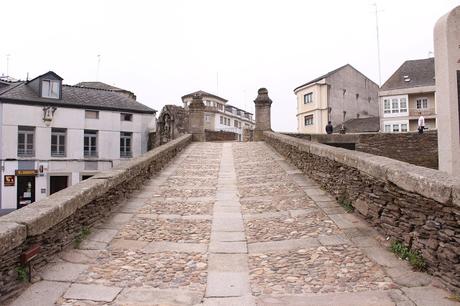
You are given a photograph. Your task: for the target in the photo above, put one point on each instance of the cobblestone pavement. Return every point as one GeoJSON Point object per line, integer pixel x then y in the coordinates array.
{"type": "Point", "coordinates": [231, 224]}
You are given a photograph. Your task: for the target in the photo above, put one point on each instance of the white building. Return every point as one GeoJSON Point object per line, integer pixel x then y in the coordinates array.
{"type": "Point", "coordinates": [55, 135]}
{"type": "Point", "coordinates": [220, 116]}
{"type": "Point", "coordinates": [408, 94]}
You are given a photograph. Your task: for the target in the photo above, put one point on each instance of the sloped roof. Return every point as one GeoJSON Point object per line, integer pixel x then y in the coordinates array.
{"type": "Point", "coordinates": [360, 125]}
{"type": "Point", "coordinates": [322, 77]}
{"type": "Point", "coordinates": [75, 96]}
{"type": "Point", "coordinates": [99, 85]}
{"type": "Point", "coordinates": [418, 72]}
{"type": "Point", "coordinates": [203, 94]}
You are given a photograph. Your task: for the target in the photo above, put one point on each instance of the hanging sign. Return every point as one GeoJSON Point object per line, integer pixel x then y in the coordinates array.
{"type": "Point", "coordinates": [8, 180]}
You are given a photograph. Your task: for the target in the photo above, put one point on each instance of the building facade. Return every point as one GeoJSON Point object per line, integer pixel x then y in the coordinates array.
{"type": "Point", "coordinates": [55, 135]}
{"type": "Point", "coordinates": [220, 116]}
{"type": "Point", "coordinates": [408, 94]}
{"type": "Point", "coordinates": [338, 96]}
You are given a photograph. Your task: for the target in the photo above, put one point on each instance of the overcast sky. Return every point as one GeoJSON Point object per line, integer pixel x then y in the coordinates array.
{"type": "Point", "coordinates": [162, 50]}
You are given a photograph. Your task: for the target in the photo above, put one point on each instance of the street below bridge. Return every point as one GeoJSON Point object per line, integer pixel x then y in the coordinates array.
{"type": "Point", "coordinates": [231, 224]}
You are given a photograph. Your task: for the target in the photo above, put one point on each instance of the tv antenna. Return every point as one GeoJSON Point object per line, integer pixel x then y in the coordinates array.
{"type": "Point", "coordinates": [378, 42]}
{"type": "Point", "coordinates": [98, 65]}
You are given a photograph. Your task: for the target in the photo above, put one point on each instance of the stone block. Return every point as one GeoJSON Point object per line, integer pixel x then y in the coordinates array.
{"type": "Point", "coordinates": [227, 284]}
{"type": "Point", "coordinates": [127, 244]}
{"type": "Point", "coordinates": [102, 235]}
{"type": "Point", "coordinates": [63, 271]}
{"type": "Point", "coordinates": [228, 262]}
{"type": "Point", "coordinates": [430, 183]}
{"type": "Point", "coordinates": [151, 296]}
{"type": "Point", "coordinates": [96, 293]}
{"type": "Point", "coordinates": [11, 235]}
{"type": "Point", "coordinates": [283, 245]}
{"type": "Point", "coordinates": [227, 236]}
{"type": "Point", "coordinates": [41, 293]}
{"type": "Point", "coordinates": [231, 247]}
{"type": "Point", "coordinates": [428, 296]}
{"type": "Point", "coordinates": [361, 206]}
{"type": "Point", "coordinates": [166, 246]}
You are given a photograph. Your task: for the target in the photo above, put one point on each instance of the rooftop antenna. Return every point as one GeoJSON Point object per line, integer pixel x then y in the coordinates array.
{"type": "Point", "coordinates": [217, 82]}
{"type": "Point", "coordinates": [8, 65]}
{"type": "Point", "coordinates": [378, 42]}
{"type": "Point", "coordinates": [98, 65]}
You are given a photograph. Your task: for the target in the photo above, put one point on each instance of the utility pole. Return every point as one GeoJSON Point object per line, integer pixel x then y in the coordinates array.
{"type": "Point", "coordinates": [378, 42]}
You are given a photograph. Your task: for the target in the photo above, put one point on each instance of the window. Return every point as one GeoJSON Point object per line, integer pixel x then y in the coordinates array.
{"type": "Point", "coordinates": [396, 128]}
{"type": "Point", "coordinates": [89, 114]}
{"type": "Point", "coordinates": [404, 127]}
{"type": "Point", "coordinates": [206, 118]}
{"type": "Point", "coordinates": [125, 117]}
{"type": "Point", "coordinates": [235, 123]}
{"type": "Point", "coordinates": [50, 89]}
{"type": "Point", "coordinates": [308, 120]}
{"type": "Point", "coordinates": [208, 103]}
{"type": "Point", "coordinates": [395, 105]}
{"type": "Point", "coordinates": [90, 143]}
{"type": "Point", "coordinates": [387, 128]}
{"type": "Point", "coordinates": [125, 144]}
{"type": "Point", "coordinates": [220, 106]}
{"type": "Point", "coordinates": [308, 98]}
{"type": "Point", "coordinates": [221, 119]}
{"type": "Point", "coordinates": [403, 105]}
{"type": "Point", "coordinates": [26, 135]}
{"type": "Point", "coordinates": [386, 106]}
{"type": "Point", "coordinates": [58, 142]}
{"type": "Point", "coordinates": [422, 103]}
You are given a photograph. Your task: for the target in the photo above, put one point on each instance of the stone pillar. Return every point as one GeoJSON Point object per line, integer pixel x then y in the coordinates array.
{"type": "Point", "coordinates": [196, 118]}
{"type": "Point", "coordinates": [263, 104]}
{"type": "Point", "coordinates": [447, 72]}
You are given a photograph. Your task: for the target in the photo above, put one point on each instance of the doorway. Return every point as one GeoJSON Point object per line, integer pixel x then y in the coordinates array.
{"type": "Point", "coordinates": [58, 182]}
{"type": "Point", "coordinates": [25, 191]}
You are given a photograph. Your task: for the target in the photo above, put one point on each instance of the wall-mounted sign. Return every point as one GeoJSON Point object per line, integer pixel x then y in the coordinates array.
{"type": "Point", "coordinates": [26, 172]}
{"type": "Point", "coordinates": [8, 180]}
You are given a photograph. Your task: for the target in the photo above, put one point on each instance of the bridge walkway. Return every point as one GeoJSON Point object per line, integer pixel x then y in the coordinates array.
{"type": "Point", "coordinates": [231, 224]}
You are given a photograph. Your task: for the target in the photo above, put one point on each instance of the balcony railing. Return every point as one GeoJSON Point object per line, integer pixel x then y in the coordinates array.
{"type": "Point", "coordinates": [26, 152]}
{"type": "Point", "coordinates": [423, 111]}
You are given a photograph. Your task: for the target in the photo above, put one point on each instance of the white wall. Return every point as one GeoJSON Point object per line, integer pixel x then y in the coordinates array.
{"type": "Point", "coordinates": [109, 126]}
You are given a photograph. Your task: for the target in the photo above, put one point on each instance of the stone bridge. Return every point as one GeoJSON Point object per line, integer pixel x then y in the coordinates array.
{"type": "Point", "coordinates": [227, 223]}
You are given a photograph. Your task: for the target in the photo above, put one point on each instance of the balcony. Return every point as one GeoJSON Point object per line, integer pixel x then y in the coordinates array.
{"type": "Point", "coordinates": [415, 112]}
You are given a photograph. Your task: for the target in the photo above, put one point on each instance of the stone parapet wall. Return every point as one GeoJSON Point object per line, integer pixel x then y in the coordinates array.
{"type": "Point", "coordinates": [220, 136]}
{"type": "Point", "coordinates": [414, 148]}
{"type": "Point", "coordinates": [415, 205]}
{"type": "Point", "coordinates": [59, 219]}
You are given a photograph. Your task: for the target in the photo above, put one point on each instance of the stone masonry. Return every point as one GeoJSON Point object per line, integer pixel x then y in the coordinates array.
{"type": "Point", "coordinates": [263, 105]}
{"type": "Point", "coordinates": [231, 224]}
{"type": "Point", "coordinates": [417, 206]}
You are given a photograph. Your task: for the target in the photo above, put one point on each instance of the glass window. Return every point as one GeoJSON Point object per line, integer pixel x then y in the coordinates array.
{"type": "Point", "coordinates": [90, 114]}
{"type": "Point", "coordinates": [308, 120]}
{"type": "Point", "coordinates": [26, 141]}
{"type": "Point", "coordinates": [404, 127]}
{"type": "Point", "coordinates": [125, 117]}
{"type": "Point", "coordinates": [394, 106]}
{"type": "Point", "coordinates": [125, 144]}
{"type": "Point", "coordinates": [90, 143]}
{"type": "Point", "coordinates": [395, 127]}
{"type": "Point", "coordinates": [221, 119]}
{"type": "Point", "coordinates": [422, 103]}
{"type": "Point", "coordinates": [307, 98]}
{"type": "Point", "coordinates": [387, 128]}
{"type": "Point", "coordinates": [386, 106]}
{"type": "Point", "coordinates": [58, 142]}
{"type": "Point", "coordinates": [50, 89]}
{"type": "Point", "coordinates": [403, 105]}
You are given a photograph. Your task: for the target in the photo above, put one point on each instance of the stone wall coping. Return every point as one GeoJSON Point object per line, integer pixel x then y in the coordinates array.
{"type": "Point", "coordinates": [430, 183]}
{"type": "Point", "coordinates": [37, 218]}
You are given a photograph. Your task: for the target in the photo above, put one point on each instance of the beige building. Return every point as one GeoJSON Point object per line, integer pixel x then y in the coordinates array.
{"type": "Point", "coordinates": [220, 116]}
{"type": "Point", "coordinates": [338, 96]}
{"type": "Point", "coordinates": [407, 94]}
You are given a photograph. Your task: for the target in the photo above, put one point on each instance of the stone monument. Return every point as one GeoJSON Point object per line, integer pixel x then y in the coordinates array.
{"type": "Point", "coordinates": [196, 118]}
{"type": "Point", "coordinates": [447, 74]}
{"type": "Point", "coordinates": [263, 104]}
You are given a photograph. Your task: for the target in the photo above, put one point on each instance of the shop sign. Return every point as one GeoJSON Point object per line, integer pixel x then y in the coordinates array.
{"type": "Point", "coordinates": [26, 172]}
{"type": "Point", "coordinates": [8, 180]}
